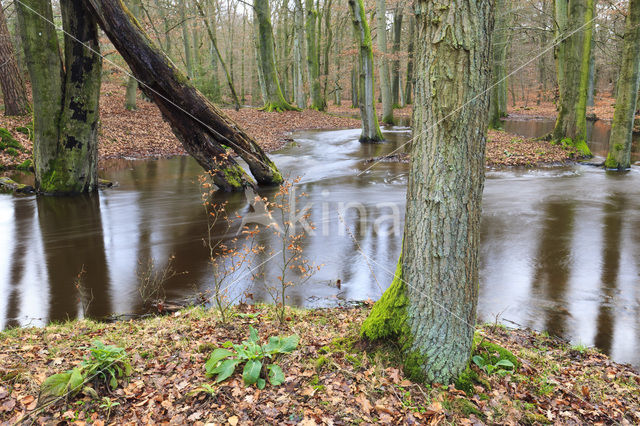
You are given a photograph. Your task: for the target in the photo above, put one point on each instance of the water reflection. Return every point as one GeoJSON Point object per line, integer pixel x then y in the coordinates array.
{"type": "Point", "coordinates": [560, 247]}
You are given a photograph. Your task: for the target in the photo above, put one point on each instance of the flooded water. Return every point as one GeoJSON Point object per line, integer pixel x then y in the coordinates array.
{"type": "Point", "coordinates": [560, 248]}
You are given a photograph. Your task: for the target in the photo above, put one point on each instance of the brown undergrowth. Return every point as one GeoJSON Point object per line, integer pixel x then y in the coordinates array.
{"type": "Point", "coordinates": [331, 378]}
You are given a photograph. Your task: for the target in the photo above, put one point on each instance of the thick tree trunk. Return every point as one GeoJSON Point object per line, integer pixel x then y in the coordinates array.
{"type": "Point", "coordinates": [591, 87]}
{"type": "Point", "coordinates": [619, 156]}
{"type": "Point", "coordinates": [383, 64]}
{"type": "Point", "coordinates": [275, 100]}
{"type": "Point", "coordinates": [571, 124]}
{"type": "Point", "coordinates": [431, 304]}
{"type": "Point", "coordinates": [395, 64]}
{"type": "Point", "coordinates": [65, 103]}
{"type": "Point", "coordinates": [317, 100]}
{"type": "Point", "coordinates": [408, 89]}
{"type": "Point", "coordinates": [500, 42]}
{"type": "Point", "coordinates": [14, 93]}
{"type": "Point", "coordinates": [366, 92]}
{"type": "Point", "coordinates": [201, 126]}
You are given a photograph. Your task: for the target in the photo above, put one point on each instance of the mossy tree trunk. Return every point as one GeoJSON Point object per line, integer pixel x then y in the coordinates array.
{"type": "Point", "coordinates": [395, 64]}
{"type": "Point", "coordinates": [313, 59]}
{"type": "Point", "coordinates": [366, 92]}
{"type": "Point", "coordinates": [619, 156]}
{"type": "Point", "coordinates": [132, 84]}
{"type": "Point", "coordinates": [199, 125]}
{"type": "Point", "coordinates": [65, 98]}
{"type": "Point", "coordinates": [300, 94]}
{"type": "Point", "coordinates": [383, 63]}
{"type": "Point", "coordinates": [573, 59]}
{"type": "Point", "coordinates": [14, 93]}
{"type": "Point", "coordinates": [275, 100]}
{"type": "Point", "coordinates": [408, 88]}
{"type": "Point", "coordinates": [430, 308]}
{"type": "Point", "coordinates": [500, 44]}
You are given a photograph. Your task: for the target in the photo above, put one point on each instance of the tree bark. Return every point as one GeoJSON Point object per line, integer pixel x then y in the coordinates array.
{"type": "Point", "coordinates": [383, 64]}
{"type": "Point", "coordinates": [395, 64]}
{"type": "Point", "coordinates": [14, 93]}
{"type": "Point", "coordinates": [430, 307]}
{"type": "Point", "coordinates": [298, 56]}
{"type": "Point", "coordinates": [408, 90]}
{"type": "Point", "coordinates": [619, 156]}
{"type": "Point", "coordinates": [199, 125]}
{"type": "Point", "coordinates": [132, 84]}
{"type": "Point", "coordinates": [313, 64]}
{"type": "Point", "coordinates": [275, 100]}
{"type": "Point", "coordinates": [571, 124]}
{"type": "Point", "coordinates": [500, 41]}
{"type": "Point", "coordinates": [366, 92]}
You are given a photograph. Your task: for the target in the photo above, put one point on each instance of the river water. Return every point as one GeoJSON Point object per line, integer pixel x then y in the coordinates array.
{"type": "Point", "coordinates": [560, 246]}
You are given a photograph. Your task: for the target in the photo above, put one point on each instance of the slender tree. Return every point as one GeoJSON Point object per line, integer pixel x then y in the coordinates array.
{"type": "Point", "coordinates": [395, 64]}
{"type": "Point", "coordinates": [430, 308]}
{"type": "Point", "coordinates": [65, 99]}
{"type": "Point", "coordinates": [299, 69]}
{"type": "Point", "coordinates": [573, 62]}
{"type": "Point", "coordinates": [132, 83]}
{"type": "Point", "coordinates": [500, 43]}
{"type": "Point", "coordinates": [366, 92]}
{"type": "Point", "coordinates": [383, 64]}
{"type": "Point", "coordinates": [408, 90]}
{"type": "Point", "coordinates": [619, 156]}
{"type": "Point", "coordinates": [274, 100]}
{"type": "Point", "coordinates": [313, 59]}
{"type": "Point", "coordinates": [14, 93]}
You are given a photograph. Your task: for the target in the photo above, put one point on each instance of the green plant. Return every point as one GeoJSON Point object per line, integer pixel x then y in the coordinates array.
{"type": "Point", "coordinates": [206, 389]}
{"type": "Point", "coordinates": [223, 361]}
{"type": "Point", "coordinates": [488, 367]}
{"type": "Point", "coordinates": [104, 363]}
{"type": "Point", "coordinates": [108, 404]}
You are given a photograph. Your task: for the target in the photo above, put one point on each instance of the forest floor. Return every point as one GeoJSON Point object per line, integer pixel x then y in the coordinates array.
{"type": "Point", "coordinates": [332, 377]}
{"type": "Point", "coordinates": [144, 134]}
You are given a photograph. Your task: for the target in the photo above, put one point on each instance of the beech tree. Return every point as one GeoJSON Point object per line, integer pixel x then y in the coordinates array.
{"type": "Point", "coordinates": [619, 156]}
{"type": "Point", "coordinates": [366, 92]}
{"type": "Point", "coordinates": [14, 93]}
{"type": "Point", "coordinates": [317, 100]}
{"type": "Point", "coordinates": [383, 64]}
{"type": "Point", "coordinates": [65, 99]}
{"type": "Point", "coordinates": [575, 27]}
{"type": "Point", "coordinates": [430, 307]}
{"type": "Point", "coordinates": [500, 42]}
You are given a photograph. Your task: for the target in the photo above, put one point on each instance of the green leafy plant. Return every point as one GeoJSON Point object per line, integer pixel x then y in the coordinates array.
{"type": "Point", "coordinates": [223, 361]}
{"type": "Point", "coordinates": [105, 363]}
{"type": "Point", "coordinates": [489, 367]}
{"type": "Point", "coordinates": [108, 405]}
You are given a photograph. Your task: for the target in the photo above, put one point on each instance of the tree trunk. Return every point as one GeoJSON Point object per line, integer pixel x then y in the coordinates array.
{"type": "Point", "coordinates": [298, 56]}
{"type": "Point", "coordinates": [65, 99]}
{"type": "Point", "coordinates": [408, 89]}
{"type": "Point", "coordinates": [395, 64]}
{"type": "Point", "coordinates": [313, 64]}
{"type": "Point", "coordinates": [354, 85]}
{"type": "Point", "coordinates": [571, 124]}
{"type": "Point", "coordinates": [14, 93]}
{"type": "Point", "coordinates": [186, 39]}
{"type": "Point", "coordinates": [366, 99]}
{"type": "Point", "coordinates": [275, 100]}
{"type": "Point", "coordinates": [619, 156]}
{"type": "Point", "coordinates": [327, 47]}
{"type": "Point", "coordinates": [591, 87]}
{"type": "Point", "coordinates": [132, 84]}
{"type": "Point", "coordinates": [430, 307]}
{"type": "Point", "coordinates": [383, 64]}
{"type": "Point", "coordinates": [199, 125]}
{"type": "Point", "coordinates": [211, 31]}
{"type": "Point", "coordinates": [500, 42]}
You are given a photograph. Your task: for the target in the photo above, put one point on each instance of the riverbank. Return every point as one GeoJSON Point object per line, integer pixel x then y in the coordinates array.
{"type": "Point", "coordinates": [332, 377]}
{"type": "Point", "coordinates": [144, 134]}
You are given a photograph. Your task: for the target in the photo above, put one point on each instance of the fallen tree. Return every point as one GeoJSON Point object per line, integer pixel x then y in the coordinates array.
{"type": "Point", "coordinates": [202, 128]}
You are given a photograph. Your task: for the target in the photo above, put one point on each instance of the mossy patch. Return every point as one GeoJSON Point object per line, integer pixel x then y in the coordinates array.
{"type": "Point", "coordinates": [7, 142]}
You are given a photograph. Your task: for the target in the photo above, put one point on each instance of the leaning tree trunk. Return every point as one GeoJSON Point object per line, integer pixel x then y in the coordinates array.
{"type": "Point", "coordinates": [383, 64]}
{"type": "Point", "coordinates": [275, 100]}
{"type": "Point", "coordinates": [65, 99]}
{"type": "Point", "coordinates": [499, 40]}
{"type": "Point", "coordinates": [199, 125]}
{"type": "Point", "coordinates": [366, 92]}
{"type": "Point", "coordinates": [14, 93]}
{"type": "Point", "coordinates": [571, 124]}
{"type": "Point", "coordinates": [619, 156]}
{"type": "Point", "coordinates": [430, 307]}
